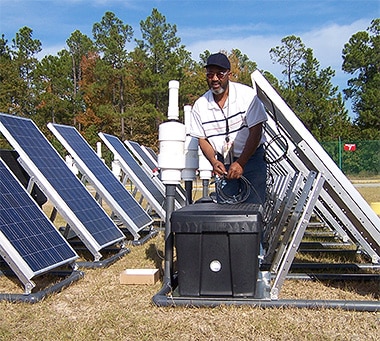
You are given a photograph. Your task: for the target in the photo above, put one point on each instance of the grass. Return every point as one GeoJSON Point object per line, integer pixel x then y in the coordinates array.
{"type": "Point", "coordinates": [98, 307]}
{"type": "Point", "coordinates": [370, 194]}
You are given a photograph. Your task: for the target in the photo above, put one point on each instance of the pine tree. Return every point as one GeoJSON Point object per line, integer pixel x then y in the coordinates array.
{"type": "Point", "coordinates": [111, 36]}
{"type": "Point", "coordinates": [361, 58]}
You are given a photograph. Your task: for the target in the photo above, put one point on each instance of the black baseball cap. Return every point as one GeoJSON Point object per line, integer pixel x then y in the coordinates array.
{"type": "Point", "coordinates": [218, 59]}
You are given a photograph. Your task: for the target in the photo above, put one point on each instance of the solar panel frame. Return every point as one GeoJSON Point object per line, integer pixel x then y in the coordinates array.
{"type": "Point", "coordinates": [138, 176]}
{"type": "Point", "coordinates": [338, 195]}
{"type": "Point", "coordinates": [150, 152]}
{"type": "Point", "coordinates": [101, 177]}
{"type": "Point", "coordinates": [146, 160]}
{"type": "Point", "coordinates": [46, 167]}
{"type": "Point", "coordinates": [150, 165]}
{"type": "Point", "coordinates": [29, 242]}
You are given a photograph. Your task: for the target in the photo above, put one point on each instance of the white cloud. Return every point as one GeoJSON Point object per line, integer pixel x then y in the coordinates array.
{"type": "Point", "coordinates": [327, 43]}
{"type": "Point", "coordinates": [51, 50]}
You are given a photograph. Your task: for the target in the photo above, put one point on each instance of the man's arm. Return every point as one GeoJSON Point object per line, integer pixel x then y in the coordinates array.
{"type": "Point", "coordinates": [237, 168]}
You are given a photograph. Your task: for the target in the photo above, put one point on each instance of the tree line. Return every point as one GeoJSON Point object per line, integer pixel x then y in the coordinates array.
{"type": "Point", "coordinates": [96, 84]}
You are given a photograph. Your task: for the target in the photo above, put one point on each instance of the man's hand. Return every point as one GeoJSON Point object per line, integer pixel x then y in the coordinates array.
{"type": "Point", "coordinates": [219, 168]}
{"type": "Point", "coordinates": [235, 171]}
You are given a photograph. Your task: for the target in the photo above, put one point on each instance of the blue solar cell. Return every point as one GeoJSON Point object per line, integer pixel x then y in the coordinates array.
{"type": "Point", "coordinates": [140, 154]}
{"type": "Point", "coordinates": [30, 141]}
{"type": "Point", "coordinates": [76, 144]}
{"type": "Point", "coordinates": [28, 229]}
{"type": "Point", "coordinates": [123, 152]}
{"type": "Point", "coordinates": [152, 153]}
{"type": "Point", "coordinates": [137, 148]}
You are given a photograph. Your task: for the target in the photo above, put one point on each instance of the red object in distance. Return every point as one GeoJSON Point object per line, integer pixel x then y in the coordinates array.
{"type": "Point", "coordinates": [350, 147]}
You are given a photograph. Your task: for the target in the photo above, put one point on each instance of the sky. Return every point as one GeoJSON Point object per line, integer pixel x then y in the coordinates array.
{"type": "Point", "coordinates": [251, 26]}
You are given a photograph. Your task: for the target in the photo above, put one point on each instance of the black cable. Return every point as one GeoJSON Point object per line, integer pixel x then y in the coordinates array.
{"type": "Point", "coordinates": [284, 146]}
{"type": "Point", "coordinates": [237, 198]}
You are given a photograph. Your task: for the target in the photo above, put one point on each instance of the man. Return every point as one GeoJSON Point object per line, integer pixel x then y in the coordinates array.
{"type": "Point", "coordinates": [228, 122]}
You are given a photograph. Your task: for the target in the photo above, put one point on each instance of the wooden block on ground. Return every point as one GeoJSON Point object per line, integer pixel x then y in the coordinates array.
{"type": "Point", "coordinates": [139, 276]}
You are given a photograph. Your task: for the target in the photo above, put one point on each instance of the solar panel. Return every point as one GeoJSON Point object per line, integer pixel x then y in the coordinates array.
{"type": "Point", "coordinates": [106, 184]}
{"type": "Point", "coordinates": [142, 181]}
{"type": "Point", "coordinates": [10, 158]}
{"type": "Point", "coordinates": [142, 156]}
{"type": "Point", "coordinates": [67, 193]}
{"type": "Point", "coordinates": [151, 152]}
{"type": "Point", "coordinates": [29, 242]}
{"type": "Point", "coordinates": [150, 166]}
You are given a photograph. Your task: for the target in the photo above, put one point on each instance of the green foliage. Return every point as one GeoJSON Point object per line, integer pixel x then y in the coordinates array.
{"type": "Point", "coordinates": [365, 160]}
{"type": "Point", "coordinates": [18, 64]}
{"type": "Point", "coordinates": [9, 78]}
{"type": "Point", "coordinates": [193, 84]}
{"type": "Point", "coordinates": [160, 58]}
{"type": "Point", "coordinates": [271, 79]}
{"type": "Point", "coordinates": [241, 67]}
{"type": "Point", "coordinates": [80, 46]}
{"type": "Point", "coordinates": [289, 55]}
{"type": "Point", "coordinates": [361, 58]}
{"type": "Point", "coordinates": [96, 84]}
{"type": "Point", "coordinates": [309, 90]}
{"type": "Point", "coordinates": [142, 122]}
{"type": "Point", "coordinates": [111, 37]}
{"type": "Point", "coordinates": [55, 97]}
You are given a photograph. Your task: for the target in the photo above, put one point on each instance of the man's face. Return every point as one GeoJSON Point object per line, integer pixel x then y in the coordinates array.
{"type": "Point", "coordinates": [217, 79]}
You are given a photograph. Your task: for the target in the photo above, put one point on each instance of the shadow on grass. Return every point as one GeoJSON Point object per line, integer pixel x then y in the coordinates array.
{"type": "Point", "coordinates": [156, 255]}
{"type": "Point", "coordinates": [363, 288]}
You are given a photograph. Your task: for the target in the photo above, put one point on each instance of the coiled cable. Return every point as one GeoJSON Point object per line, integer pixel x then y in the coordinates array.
{"type": "Point", "coordinates": [242, 195]}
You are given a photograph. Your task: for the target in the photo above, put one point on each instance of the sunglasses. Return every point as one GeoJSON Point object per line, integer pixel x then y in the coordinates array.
{"type": "Point", "coordinates": [220, 74]}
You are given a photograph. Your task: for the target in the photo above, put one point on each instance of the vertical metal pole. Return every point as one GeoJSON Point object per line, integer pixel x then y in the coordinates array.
{"type": "Point", "coordinates": [340, 152]}
{"type": "Point", "coordinates": [170, 202]}
{"type": "Point", "coordinates": [189, 192]}
{"type": "Point", "coordinates": [205, 184]}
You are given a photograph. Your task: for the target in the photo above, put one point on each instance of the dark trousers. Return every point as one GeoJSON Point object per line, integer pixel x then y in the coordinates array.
{"type": "Point", "coordinates": [255, 171]}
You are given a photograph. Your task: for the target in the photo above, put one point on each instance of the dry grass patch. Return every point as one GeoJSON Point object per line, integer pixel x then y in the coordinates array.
{"type": "Point", "coordinates": [371, 194]}
{"type": "Point", "coordinates": [97, 307]}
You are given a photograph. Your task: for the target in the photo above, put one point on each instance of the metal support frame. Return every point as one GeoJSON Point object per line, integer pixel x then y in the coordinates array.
{"type": "Point", "coordinates": [294, 218]}
{"type": "Point", "coordinates": [351, 215]}
{"type": "Point", "coordinates": [275, 197]}
{"type": "Point", "coordinates": [126, 176]}
{"type": "Point", "coordinates": [291, 241]}
{"type": "Point", "coordinates": [69, 277]}
{"type": "Point", "coordinates": [275, 227]}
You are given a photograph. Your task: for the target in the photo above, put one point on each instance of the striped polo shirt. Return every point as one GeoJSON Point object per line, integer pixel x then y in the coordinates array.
{"type": "Point", "coordinates": [242, 110]}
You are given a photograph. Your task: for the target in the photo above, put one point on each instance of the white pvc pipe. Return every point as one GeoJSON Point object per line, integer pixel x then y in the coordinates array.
{"type": "Point", "coordinates": [99, 149]}
{"type": "Point", "coordinates": [187, 113]}
{"type": "Point", "coordinates": [173, 111]}
{"type": "Point", "coordinates": [191, 150]}
{"type": "Point", "coordinates": [172, 136]}
{"type": "Point", "coordinates": [205, 167]}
